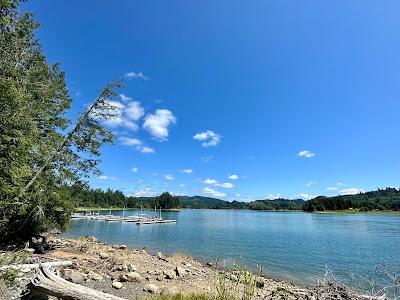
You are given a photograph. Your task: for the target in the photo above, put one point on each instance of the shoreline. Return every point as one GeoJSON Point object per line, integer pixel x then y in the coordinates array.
{"type": "Point", "coordinates": [344, 212]}
{"type": "Point", "coordinates": [132, 273]}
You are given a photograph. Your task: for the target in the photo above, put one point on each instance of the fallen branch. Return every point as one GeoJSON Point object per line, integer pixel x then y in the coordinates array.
{"type": "Point", "coordinates": [37, 266]}
{"type": "Point", "coordinates": [48, 283]}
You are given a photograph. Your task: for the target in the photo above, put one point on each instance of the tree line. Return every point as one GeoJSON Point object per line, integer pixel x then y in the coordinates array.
{"type": "Point", "coordinates": [382, 199]}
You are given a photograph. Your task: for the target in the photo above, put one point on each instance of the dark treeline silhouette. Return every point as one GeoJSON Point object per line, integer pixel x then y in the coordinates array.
{"type": "Point", "coordinates": [382, 199]}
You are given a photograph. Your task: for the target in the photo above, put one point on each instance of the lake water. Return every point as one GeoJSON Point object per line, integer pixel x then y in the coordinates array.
{"type": "Point", "coordinates": [293, 245]}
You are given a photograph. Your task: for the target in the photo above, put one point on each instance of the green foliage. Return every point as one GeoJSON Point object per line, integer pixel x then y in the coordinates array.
{"type": "Point", "coordinates": [382, 199]}
{"type": "Point", "coordinates": [37, 157]}
{"type": "Point", "coordinates": [9, 276]}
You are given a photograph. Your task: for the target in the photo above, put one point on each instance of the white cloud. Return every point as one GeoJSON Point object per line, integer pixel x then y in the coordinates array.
{"type": "Point", "coordinates": [130, 141]}
{"type": "Point", "coordinates": [125, 98]}
{"type": "Point", "coordinates": [169, 177]}
{"type": "Point", "coordinates": [145, 149]}
{"type": "Point", "coordinates": [120, 115]}
{"type": "Point", "coordinates": [213, 193]}
{"type": "Point", "coordinates": [233, 177]}
{"type": "Point", "coordinates": [331, 188]}
{"type": "Point", "coordinates": [147, 192]}
{"type": "Point", "coordinates": [136, 75]}
{"type": "Point", "coordinates": [274, 196]}
{"type": "Point", "coordinates": [226, 185]}
{"type": "Point", "coordinates": [311, 183]}
{"type": "Point", "coordinates": [134, 111]}
{"type": "Point", "coordinates": [340, 184]}
{"type": "Point", "coordinates": [187, 171]}
{"type": "Point", "coordinates": [135, 169]}
{"type": "Point", "coordinates": [209, 138]}
{"type": "Point", "coordinates": [138, 144]}
{"type": "Point", "coordinates": [237, 195]}
{"type": "Point", "coordinates": [181, 185]}
{"type": "Point", "coordinates": [206, 159]}
{"type": "Point", "coordinates": [306, 153]}
{"type": "Point", "coordinates": [306, 196]}
{"type": "Point", "coordinates": [210, 181]}
{"type": "Point", "coordinates": [351, 191]}
{"type": "Point", "coordinates": [157, 123]}
{"type": "Point", "coordinates": [105, 177]}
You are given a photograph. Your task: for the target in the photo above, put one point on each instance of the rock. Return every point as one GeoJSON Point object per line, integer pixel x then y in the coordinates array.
{"type": "Point", "coordinates": [161, 256]}
{"type": "Point", "coordinates": [74, 276]}
{"type": "Point", "coordinates": [151, 288]}
{"type": "Point", "coordinates": [111, 250]}
{"type": "Point", "coordinates": [148, 277]}
{"type": "Point", "coordinates": [209, 264]}
{"type": "Point", "coordinates": [169, 290]}
{"type": "Point", "coordinates": [123, 247]}
{"type": "Point", "coordinates": [132, 268]}
{"type": "Point", "coordinates": [117, 285]}
{"type": "Point", "coordinates": [90, 239]}
{"type": "Point", "coordinates": [134, 277]}
{"type": "Point", "coordinates": [104, 255]}
{"type": "Point", "coordinates": [180, 271]}
{"type": "Point", "coordinates": [160, 278]}
{"type": "Point", "coordinates": [115, 246]}
{"type": "Point", "coordinates": [123, 278]}
{"type": "Point", "coordinates": [169, 274]}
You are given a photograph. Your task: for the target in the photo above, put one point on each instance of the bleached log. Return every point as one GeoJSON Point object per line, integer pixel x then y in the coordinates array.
{"type": "Point", "coordinates": [48, 283]}
{"type": "Point", "coordinates": [50, 264]}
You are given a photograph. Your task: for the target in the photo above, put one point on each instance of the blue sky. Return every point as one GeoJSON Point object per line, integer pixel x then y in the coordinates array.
{"type": "Point", "coordinates": [293, 98]}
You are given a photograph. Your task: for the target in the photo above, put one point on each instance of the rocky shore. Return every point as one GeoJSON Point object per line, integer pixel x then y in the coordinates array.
{"type": "Point", "coordinates": [135, 274]}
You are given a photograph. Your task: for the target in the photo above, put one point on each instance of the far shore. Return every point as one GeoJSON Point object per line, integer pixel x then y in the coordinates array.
{"type": "Point", "coordinates": [346, 211]}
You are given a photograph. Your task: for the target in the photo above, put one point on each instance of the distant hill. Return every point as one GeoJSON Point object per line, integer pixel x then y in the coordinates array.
{"type": "Point", "coordinates": [382, 199]}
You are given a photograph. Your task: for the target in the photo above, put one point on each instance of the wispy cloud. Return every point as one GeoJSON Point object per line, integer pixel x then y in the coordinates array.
{"type": "Point", "coordinates": [306, 153]}
{"type": "Point", "coordinates": [138, 144]}
{"type": "Point", "coordinates": [187, 171]}
{"type": "Point", "coordinates": [147, 192]}
{"type": "Point", "coordinates": [233, 177]}
{"type": "Point", "coordinates": [145, 149]}
{"type": "Point", "coordinates": [213, 193]}
{"type": "Point", "coordinates": [331, 188]}
{"type": "Point", "coordinates": [105, 177]}
{"type": "Point", "coordinates": [206, 159]}
{"type": "Point", "coordinates": [311, 183]}
{"type": "Point", "coordinates": [209, 138]}
{"type": "Point", "coordinates": [210, 181]}
{"type": "Point", "coordinates": [306, 196]}
{"type": "Point", "coordinates": [157, 124]}
{"type": "Point", "coordinates": [351, 191]}
{"type": "Point", "coordinates": [169, 177]}
{"type": "Point", "coordinates": [125, 98]}
{"type": "Point", "coordinates": [136, 75]}
{"type": "Point", "coordinates": [135, 169]}
{"type": "Point", "coordinates": [226, 185]}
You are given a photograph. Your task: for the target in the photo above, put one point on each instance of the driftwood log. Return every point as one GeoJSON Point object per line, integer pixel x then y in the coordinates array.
{"type": "Point", "coordinates": [51, 264]}
{"type": "Point", "coordinates": [47, 282]}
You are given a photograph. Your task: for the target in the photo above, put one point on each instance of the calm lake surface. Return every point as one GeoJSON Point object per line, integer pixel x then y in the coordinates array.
{"type": "Point", "coordinates": [291, 245]}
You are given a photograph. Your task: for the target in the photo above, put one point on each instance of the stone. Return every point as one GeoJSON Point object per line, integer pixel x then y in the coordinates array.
{"type": "Point", "coordinates": [122, 247]}
{"type": "Point", "coordinates": [161, 256]}
{"type": "Point", "coordinates": [117, 285]}
{"type": "Point", "coordinates": [169, 274]}
{"type": "Point", "coordinates": [169, 290]}
{"type": "Point", "coordinates": [104, 255]}
{"type": "Point", "coordinates": [111, 250]}
{"type": "Point", "coordinates": [160, 278]}
{"type": "Point", "coordinates": [233, 277]}
{"type": "Point", "coordinates": [148, 277]}
{"type": "Point", "coordinates": [134, 277]}
{"type": "Point", "coordinates": [74, 276]}
{"type": "Point", "coordinates": [132, 268]}
{"type": "Point", "coordinates": [123, 278]}
{"type": "Point", "coordinates": [180, 271]}
{"type": "Point", "coordinates": [151, 288]}
{"type": "Point", "coordinates": [96, 277]}
{"type": "Point", "coordinates": [209, 264]}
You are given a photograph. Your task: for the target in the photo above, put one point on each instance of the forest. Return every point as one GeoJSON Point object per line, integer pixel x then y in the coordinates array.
{"type": "Point", "coordinates": [382, 199]}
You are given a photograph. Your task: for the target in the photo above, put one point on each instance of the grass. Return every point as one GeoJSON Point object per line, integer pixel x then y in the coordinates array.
{"type": "Point", "coordinates": [183, 297]}
{"type": "Point", "coordinates": [181, 254]}
{"type": "Point", "coordinates": [9, 276]}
